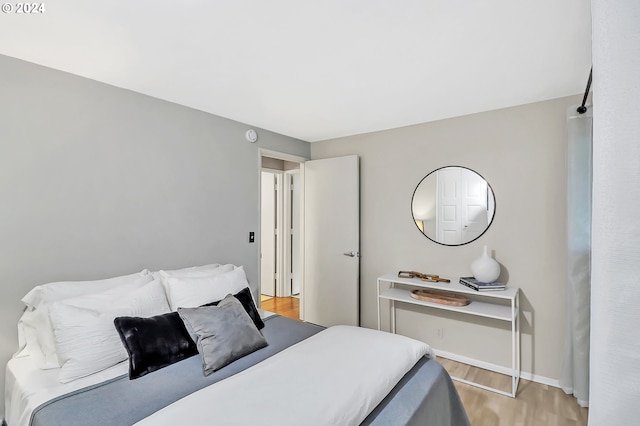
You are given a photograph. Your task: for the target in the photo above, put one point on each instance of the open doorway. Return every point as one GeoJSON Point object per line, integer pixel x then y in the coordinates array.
{"type": "Point", "coordinates": [281, 236]}
{"type": "Point", "coordinates": [316, 257]}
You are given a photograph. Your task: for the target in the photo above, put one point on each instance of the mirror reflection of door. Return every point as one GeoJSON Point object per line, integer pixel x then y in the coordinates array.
{"type": "Point", "coordinates": [462, 205]}
{"type": "Point", "coordinates": [473, 205]}
{"type": "Point", "coordinates": [453, 205]}
{"type": "Point", "coordinates": [448, 198]}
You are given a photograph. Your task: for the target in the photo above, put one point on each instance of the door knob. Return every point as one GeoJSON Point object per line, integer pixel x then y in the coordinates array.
{"type": "Point", "coordinates": [352, 254]}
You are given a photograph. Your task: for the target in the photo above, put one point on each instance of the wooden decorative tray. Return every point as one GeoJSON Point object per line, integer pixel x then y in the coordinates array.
{"type": "Point", "coordinates": [441, 297]}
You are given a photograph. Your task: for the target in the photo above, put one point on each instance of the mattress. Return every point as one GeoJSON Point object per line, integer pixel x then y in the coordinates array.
{"type": "Point", "coordinates": [27, 387]}
{"type": "Point", "coordinates": [425, 395]}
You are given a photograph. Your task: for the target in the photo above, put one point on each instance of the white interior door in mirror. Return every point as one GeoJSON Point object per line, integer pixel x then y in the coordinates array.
{"type": "Point", "coordinates": [453, 205]}
{"type": "Point", "coordinates": [473, 205]}
{"type": "Point", "coordinates": [462, 201]}
{"type": "Point", "coordinates": [448, 218]}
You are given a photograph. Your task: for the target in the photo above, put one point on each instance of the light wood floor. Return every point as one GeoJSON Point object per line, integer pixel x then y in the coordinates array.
{"type": "Point", "coordinates": [286, 306]}
{"type": "Point", "coordinates": [535, 404]}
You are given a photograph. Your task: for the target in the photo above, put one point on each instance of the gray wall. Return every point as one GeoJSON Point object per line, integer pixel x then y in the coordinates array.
{"type": "Point", "coordinates": [521, 152]}
{"type": "Point", "coordinates": [97, 181]}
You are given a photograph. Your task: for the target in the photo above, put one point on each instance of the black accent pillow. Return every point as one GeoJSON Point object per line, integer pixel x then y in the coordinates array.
{"type": "Point", "coordinates": [154, 343]}
{"type": "Point", "coordinates": [244, 297]}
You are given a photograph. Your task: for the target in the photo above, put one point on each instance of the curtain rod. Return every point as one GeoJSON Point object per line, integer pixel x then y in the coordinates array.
{"type": "Point", "coordinates": [582, 109]}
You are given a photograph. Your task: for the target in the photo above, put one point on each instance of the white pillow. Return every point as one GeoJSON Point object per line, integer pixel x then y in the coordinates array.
{"type": "Point", "coordinates": [195, 292]}
{"type": "Point", "coordinates": [86, 339]}
{"type": "Point", "coordinates": [198, 273]}
{"type": "Point", "coordinates": [203, 268]}
{"type": "Point", "coordinates": [35, 334]}
{"type": "Point", "coordinates": [52, 292]}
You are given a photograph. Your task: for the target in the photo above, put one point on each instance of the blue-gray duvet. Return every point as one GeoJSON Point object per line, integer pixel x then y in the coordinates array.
{"type": "Point", "coordinates": [425, 396]}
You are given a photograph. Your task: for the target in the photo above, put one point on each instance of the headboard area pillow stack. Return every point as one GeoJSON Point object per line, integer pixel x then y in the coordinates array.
{"type": "Point", "coordinates": [87, 341]}
{"type": "Point", "coordinates": [35, 334]}
{"type": "Point", "coordinates": [83, 327]}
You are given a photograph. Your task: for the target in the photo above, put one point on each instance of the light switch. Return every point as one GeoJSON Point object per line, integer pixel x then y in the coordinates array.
{"type": "Point", "coordinates": [252, 237]}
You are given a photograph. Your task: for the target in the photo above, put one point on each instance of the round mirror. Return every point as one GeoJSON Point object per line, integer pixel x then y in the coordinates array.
{"type": "Point", "coordinates": [453, 205]}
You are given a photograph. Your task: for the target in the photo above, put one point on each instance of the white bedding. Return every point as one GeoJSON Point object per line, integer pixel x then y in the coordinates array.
{"type": "Point", "coordinates": [336, 377]}
{"type": "Point", "coordinates": [27, 386]}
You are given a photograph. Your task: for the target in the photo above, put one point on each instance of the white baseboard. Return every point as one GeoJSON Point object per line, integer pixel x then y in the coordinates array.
{"type": "Point", "coordinates": [497, 368]}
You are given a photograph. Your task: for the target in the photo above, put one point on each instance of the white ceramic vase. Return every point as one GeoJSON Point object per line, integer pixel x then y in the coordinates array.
{"type": "Point", "coordinates": [485, 269]}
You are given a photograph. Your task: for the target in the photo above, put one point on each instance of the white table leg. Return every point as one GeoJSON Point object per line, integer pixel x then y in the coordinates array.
{"type": "Point", "coordinates": [378, 304]}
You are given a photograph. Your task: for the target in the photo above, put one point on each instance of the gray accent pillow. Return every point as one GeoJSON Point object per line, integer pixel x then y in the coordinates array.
{"type": "Point", "coordinates": [224, 333]}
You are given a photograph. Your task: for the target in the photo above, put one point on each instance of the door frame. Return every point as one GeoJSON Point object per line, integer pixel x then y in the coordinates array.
{"type": "Point", "coordinates": [262, 152]}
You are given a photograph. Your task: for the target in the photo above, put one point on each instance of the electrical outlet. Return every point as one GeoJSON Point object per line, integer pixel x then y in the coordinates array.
{"type": "Point", "coordinates": [440, 332]}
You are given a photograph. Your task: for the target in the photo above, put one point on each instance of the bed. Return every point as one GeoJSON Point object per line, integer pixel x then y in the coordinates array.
{"type": "Point", "coordinates": [300, 374]}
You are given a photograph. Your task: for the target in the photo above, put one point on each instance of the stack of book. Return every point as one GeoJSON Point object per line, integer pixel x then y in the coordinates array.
{"type": "Point", "coordinates": [478, 286]}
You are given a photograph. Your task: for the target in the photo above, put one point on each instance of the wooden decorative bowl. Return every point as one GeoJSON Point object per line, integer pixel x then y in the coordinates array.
{"type": "Point", "coordinates": [441, 297]}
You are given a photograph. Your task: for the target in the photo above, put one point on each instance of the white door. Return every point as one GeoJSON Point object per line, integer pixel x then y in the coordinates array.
{"type": "Point", "coordinates": [449, 224]}
{"type": "Point", "coordinates": [331, 286]}
{"type": "Point", "coordinates": [473, 205]}
{"type": "Point", "coordinates": [294, 240]}
{"type": "Point", "coordinates": [268, 235]}
{"type": "Point", "coordinates": [462, 214]}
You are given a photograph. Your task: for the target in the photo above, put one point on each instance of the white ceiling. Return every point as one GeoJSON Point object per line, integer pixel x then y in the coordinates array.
{"type": "Point", "coordinates": [316, 70]}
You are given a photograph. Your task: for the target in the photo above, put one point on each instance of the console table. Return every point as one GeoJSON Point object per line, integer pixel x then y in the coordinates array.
{"type": "Point", "coordinates": [483, 304]}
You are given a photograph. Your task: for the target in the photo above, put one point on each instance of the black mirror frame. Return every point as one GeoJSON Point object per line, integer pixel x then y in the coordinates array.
{"type": "Point", "coordinates": [495, 206]}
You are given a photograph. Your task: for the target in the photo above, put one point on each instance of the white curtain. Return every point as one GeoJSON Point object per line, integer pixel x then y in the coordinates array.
{"type": "Point", "coordinates": [574, 377]}
{"type": "Point", "coordinates": [614, 394]}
